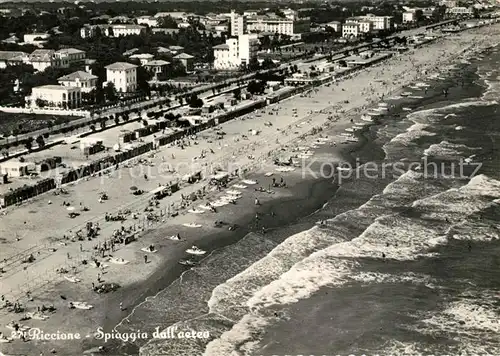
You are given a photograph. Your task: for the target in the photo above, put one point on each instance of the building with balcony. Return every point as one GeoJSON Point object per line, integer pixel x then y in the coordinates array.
{"type": "Point", "coordinates": [123, 75]}
{"type": "Point", "coordinates": [238, 24]}
{"type": "Point", "coordinates": [379, 23]}
{"type": "Point", "coordinates": [279, 25]}
{"type": "Point", "coordinates": [80, 79]}
{"type": "Point", "coordinates": [236, 52]}
{"type": "Point", "coordinates": [55, 96]}
{"type": "Point", "coordinates": [350, 29]}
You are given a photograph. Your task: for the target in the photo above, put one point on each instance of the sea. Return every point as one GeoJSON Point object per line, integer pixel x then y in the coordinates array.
{"type": "Point", "coordinates": [405, 261]}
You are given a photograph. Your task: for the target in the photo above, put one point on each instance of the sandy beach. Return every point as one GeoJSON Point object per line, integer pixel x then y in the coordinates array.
{"type": "Point", "coordinates": [284, 128]}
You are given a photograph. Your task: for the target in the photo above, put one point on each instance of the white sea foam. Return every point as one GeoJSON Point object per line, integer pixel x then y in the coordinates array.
{"type": "Point", "coordinates": [472, 320]}
{"type": "Point", "coordinates": [414, 132]}
{"type": "Point", "coordinates": [447, 150]}
{"type": "Point", "coordinates": [406, 239]}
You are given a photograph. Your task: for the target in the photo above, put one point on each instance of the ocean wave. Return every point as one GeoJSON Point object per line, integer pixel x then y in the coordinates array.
{"type": "Point", "coordinates": [449, 151]}
{"type": "Point", "coordinates": [429, 116]}
{"type": "Point", "coordinates": [471, 322]}
{"type": "Point", "coordinates": [393, 236]}
{"type": "Point", "coordinates": [229, 298]}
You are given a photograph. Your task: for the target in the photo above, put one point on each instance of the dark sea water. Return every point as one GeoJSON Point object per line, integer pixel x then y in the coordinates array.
{"type": "Point", "coordinates": [407, 263]}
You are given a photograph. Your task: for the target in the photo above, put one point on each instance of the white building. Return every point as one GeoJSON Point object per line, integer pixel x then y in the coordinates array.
{"type": "Point", "coordinates": [378, 22]}
{"type": "Point", "coordinates": [55, 96]}
{"type": "Point", "coordinates": [366, 26]}
{"type": "Point", "coordinates": [126, 30]}
{"type": "Point", "coordinates": [248, 46]}
{"type": "Point", "coordinates": [335, 25]}
{"type": "Point", "coordinates": [115, 30]}
{"type": "Point", "coordinates": [123, 76]}
{"type": "Point", "coordinates": [35, 38]}
{"type": "Point", "coordinates": [79, 79]}
{"type": "Point", "coordinates": [350, 29]}
{"type": "Point", "coordinates": [409, 16]}
{"type": "Point", "coordinates": [279, 25]}
{"type": "Point", "coordinates": [147, 21]}
{"type": "Point", "coordinates": [461, 11]}
{"type": "Point", "coordinates": [282, 26]}
{"type": "Point", "coordinates": [236, 52]}
{"type": "Point", "coordinates": [238, 24]}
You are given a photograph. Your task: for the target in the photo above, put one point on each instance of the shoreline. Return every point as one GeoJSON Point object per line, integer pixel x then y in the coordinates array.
{"type": "Point", "coordinates": [160, 267]}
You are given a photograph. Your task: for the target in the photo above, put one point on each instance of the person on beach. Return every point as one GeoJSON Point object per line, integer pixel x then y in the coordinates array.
{"type": "Point", "coordinates": [121, 306]}
{"type": "Point", "coordinates": [145, 258]}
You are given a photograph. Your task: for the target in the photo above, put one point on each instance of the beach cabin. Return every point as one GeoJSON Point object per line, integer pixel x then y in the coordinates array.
{"type": "Point", "coordinates": [17, 168]}
{"type": "Point", "coordinates": [219, 178]}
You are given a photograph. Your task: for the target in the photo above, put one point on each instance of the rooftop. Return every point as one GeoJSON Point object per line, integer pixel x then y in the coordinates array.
{"type": "Point", "coordinates": [221, 46]}
{"type": "Point", "coordinates": [77, 75]}
{"type": "Point", "coordinates": [53, 87]}
{"type": "Point", "coordinates": [157, 62]}
{"type": "Point", "coordinates": [142, 55]}
{"type": "Point", "coordinates": [42, 55]}
{"type": "Point", "coordinates": [121, 66]}
{"type": "Point", "coordinates": [183, 56]}
{"type": "Point", "coordinates": [10, 55]}
{"type": "Point", "coordinates": [70, 51]}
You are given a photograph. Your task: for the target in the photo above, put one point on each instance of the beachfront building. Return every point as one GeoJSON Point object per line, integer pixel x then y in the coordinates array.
{"type": "Point", "coordinates": [274, 24]}
{"type": "Point", "coordinates": [157, 67]}
{"type": "Point", "coordinates": [9, 58]}
{"type": "Point", "coordinates": [187, 60]}
{"type": "Point", "coordinates": [68, 57]}
{"type": "Point", "coordinates": [350, 29]}
{"type": "Point", "coordinates": [238, 24]}
{"type": "Point", "coordinates": [409, 16]}
{"type": "Point", "coordinates": [16, 169]}
{"type": "Point", "coordinates": [379, 23]}
{"type": "Point", "coordinates": [79, 79]}
{"type": "Point", "coordinates": [460, 11]}
{"type": "Point", "coordinates": [236, 52]}
{"type": "Point", "coordinates": [55, 96]}
{"type": "Point", "coordinates": [123, 76]}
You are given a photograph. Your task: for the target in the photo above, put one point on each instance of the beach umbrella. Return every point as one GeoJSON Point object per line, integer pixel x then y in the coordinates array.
{"type": "Point", "coordinates": [133, 188]}
{"type": "Point", "coordinates": [71, 208]}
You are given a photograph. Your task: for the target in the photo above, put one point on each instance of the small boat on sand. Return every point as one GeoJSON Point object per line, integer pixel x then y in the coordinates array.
{"type": "Point", "coordinates": [187, 263]}
{"type": "Point", "coordinates": [191, 225]}
{"type": "Point", "coordinates": [174, 238]}
{"type": "Point", "coordinates": [406, 93]}
{"type": "Point", "coordinates": [196, 211]}
{"type": "Point", "coordinates": [194, 250]}
{"type": "Point", "coordinates": [240, 186]}
{"type": "Point", "coordinates": [249, 182]}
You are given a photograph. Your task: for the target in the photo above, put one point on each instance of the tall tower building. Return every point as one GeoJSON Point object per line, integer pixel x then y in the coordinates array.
{"type": "Point", "coordinates": [238, 24]}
